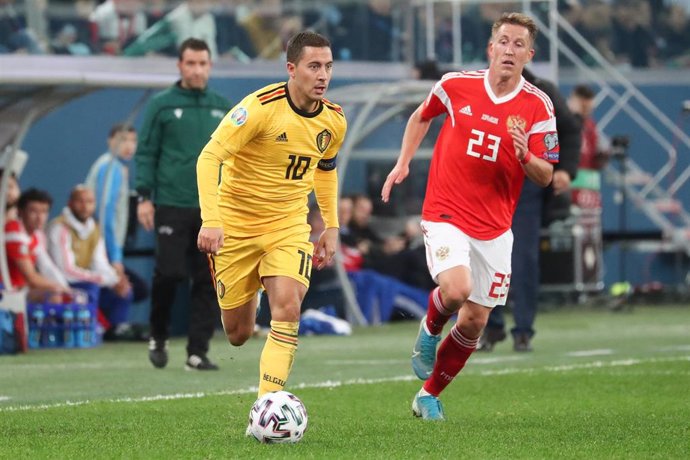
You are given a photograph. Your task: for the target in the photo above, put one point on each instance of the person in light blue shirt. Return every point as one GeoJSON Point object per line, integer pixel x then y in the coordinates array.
{"type": "Point", "coordinates": [109, 179]}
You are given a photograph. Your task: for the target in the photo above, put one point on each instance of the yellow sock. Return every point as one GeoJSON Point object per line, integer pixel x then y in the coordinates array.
{"type": "Point", "coordinates": [277, 356]}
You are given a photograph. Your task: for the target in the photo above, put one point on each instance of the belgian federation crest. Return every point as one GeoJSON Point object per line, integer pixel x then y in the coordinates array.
{"type": "Point", "coordinates": [220, 289]}
{"type": "Point", "coordinates": [323, 140]}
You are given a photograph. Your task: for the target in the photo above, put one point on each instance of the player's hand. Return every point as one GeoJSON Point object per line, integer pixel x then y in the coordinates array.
{"type": "Point", "coordinates": [519, 142]}
{"type": "Point", "coordinates": [560, 182]}
{"type": "Point", "coordinates": [123, 287]}
{"type": "Point", "coordinates": [325, 248]}
{"type": "Point", "coordinates": [210, 240]}
{"type": "Point", "coordinates": [396, 176]}
{"type": "Point", "coordinates": [145, 214]}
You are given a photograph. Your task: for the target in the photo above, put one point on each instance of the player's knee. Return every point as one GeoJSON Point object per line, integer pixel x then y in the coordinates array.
{"type": "Point", "coordinates": [455, 295]}
{"type": "Point", "coordinates": [287, 311]}
{"type": "Point", "coordinates": [472, 325]}
{"type": "Point", "coordinates": [238, 337]}
{"type": "Point", "coordinates": [237, 340]}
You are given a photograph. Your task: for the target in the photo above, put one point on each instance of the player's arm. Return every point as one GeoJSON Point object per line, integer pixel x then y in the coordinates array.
{"type": "Point", "coordinates": [326, 191]}
{"type": "Point", "coordinates": [147, 158]}
{"type": "Point", "coordinates": [536, 169]}
{"type": "Point", "coordinates": [416, 129]}
{"type": "Point", "coordinates": [210, 237]}
{"type": "Point", "coordinates": [35, 280]}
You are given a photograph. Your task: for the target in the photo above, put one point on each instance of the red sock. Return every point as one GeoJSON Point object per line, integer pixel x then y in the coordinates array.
{"type": "Point", "coordinates": [436, 313]}
{"type": "Point", "coordinates": [450, 359]}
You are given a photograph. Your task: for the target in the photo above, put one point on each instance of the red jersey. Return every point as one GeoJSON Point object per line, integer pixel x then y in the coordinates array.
{"type": "Point", "coordinates": [475, 178]}
{"type": "Point", "coordinates": [19, 245]}
{"type": "Point", "coordinates": [590, 141]}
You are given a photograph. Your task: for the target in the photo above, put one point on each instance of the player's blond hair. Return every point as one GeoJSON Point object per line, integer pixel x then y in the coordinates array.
{"type": "Point", "coordinates": [517, 19]}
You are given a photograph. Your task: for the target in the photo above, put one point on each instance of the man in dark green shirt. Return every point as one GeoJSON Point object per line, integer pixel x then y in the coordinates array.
{"type": "Point", "coordinates": [177, 125]}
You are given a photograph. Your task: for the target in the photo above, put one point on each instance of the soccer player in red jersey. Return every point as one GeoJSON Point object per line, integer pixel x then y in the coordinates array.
{"type": "Point", "coordinates": [498, 129]}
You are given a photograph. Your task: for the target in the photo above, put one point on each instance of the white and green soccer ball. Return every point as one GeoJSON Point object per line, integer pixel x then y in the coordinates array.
{"type": "Point", "coordinates": [278, 417]}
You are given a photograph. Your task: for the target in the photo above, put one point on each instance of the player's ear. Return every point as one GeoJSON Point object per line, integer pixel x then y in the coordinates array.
{"type": "Point", "coordinates": [291, 69]}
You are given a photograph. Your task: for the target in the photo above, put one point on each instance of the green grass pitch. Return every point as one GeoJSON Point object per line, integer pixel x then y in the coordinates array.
{"type": "Point", "coordinates": [598, 385]}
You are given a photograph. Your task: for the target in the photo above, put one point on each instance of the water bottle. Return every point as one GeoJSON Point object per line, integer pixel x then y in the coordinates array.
{"type": "Point", "coordinates": [68, 327]}
{"type": "Point", "coordinates": [36, 327]}
{"type": "Point", "coordinates": [84, 327]}
{"type": "Point", "coordinates": [51, 325]}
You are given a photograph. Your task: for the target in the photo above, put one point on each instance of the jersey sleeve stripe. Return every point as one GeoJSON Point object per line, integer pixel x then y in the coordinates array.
{"type": "Point", "coordinates": [547, 126]}
{"type": "Point", "coordinates": [441, 94]}
{"type": "Point", "coordinates": [531, 89]}
{"type": "Point", "coordinates": [275, 98]}
{"type": "Point", "coordinates": [272, 90]}
{"type": "Point", "coordinates": [336, 109]}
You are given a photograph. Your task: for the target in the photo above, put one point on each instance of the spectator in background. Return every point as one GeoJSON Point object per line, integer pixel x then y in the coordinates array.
{"type": "Point", "coordinates": [76, 245]}
{"type": "Point", "coordinates": [13, 193]}
{"type": "Point", "coordinates": [66, 42]}
{"type": "Point", "coordinates": [427, 70]}
{"type": "Point", "coordinates": [675, 36]}
{"type": "Point", "coordinates": [533, 207]}
{"type": "Point", "coordinates": [365, 238]}
{"type": "Point", "coordinates": [268, 26]}
{"type": "Point", "coordinates": [586, 193]}
{"type": "Point", "coordinates": [191, 19]}
{"type": "Point", "coordinates": [115, 24]}
{"type": "Point", "coordinates": [634, 42]}
{"type": "Point", "coordinates": [15, 37]}
{"type": "Point", "coordinates": [28, 261]}
{"type": "Point", "coordinates": [109, 178]}
{"type": "Point", "coordinates": [177, 125]}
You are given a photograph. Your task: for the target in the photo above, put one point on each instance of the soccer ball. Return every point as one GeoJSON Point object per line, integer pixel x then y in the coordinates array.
{"type": "Point", "coordinates": [278, 417]}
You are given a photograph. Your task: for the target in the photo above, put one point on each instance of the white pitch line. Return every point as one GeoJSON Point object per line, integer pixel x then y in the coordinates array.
{"type": "Point", "coordinates": [675, 348]}
{"type": "Point", "coordinates": [603, 351]}
{"type": "Point", "coordinates": [379, 362]}
{"type": "Point", "coordinates": [339, 383]}
{"type": "Point", "coordinates": [4, 398]}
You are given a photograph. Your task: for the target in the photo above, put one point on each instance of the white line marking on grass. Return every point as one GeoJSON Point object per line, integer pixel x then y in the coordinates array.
{"type": "Point", "coordinates": [603, 351]}
{"type": "Point", "coordinates": [675, 348]}
{"type": "Point", "coordinates": [378, 362]}
{"type": "Point", "coordinates": [339, 383]}
{"type": "Point", "coordinates": [4, 398]}
{"type": "Point", "coordinates": [592, 365]}
{"type": "Point", "coordinates": [363, 362]}
{"type": "Point", "coordinates": [75, 366]}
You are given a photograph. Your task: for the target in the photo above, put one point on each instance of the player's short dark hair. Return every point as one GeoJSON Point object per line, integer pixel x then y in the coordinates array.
{"type": "Point", "coordinates": [33, 195]}
{"type": "Point", "coordinates": [121, 127]}
{"type": "Point", "coordinates": [584, 92]}
{"type": "Point", "coordinates": [296, 44]}
{"type": "Point", "coordinates": [193, 44]}
{"type": "Point", "coordinates": [516, 19]}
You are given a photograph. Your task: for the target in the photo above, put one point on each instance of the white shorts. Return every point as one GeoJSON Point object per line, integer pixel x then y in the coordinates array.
{"type": "Point", "coordinates": [488, 260]}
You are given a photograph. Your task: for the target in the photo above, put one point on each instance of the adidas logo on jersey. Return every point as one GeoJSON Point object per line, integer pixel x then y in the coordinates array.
{"type": "Point", "coordinates": [467, 110]}
{"type": "Point", "coordinates": [282, 138]}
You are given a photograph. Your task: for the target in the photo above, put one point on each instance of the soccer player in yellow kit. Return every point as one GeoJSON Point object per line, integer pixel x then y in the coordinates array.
{"type": "Point", "coordinates": [276, 146]}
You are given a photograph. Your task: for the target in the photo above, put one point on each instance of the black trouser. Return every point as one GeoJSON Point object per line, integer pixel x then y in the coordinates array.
{"type": "Point", "coordinates": [178, 259]}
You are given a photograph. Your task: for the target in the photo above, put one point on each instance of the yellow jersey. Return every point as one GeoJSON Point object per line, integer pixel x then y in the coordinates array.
{"type": "Point", "coordinates": [273, 155]}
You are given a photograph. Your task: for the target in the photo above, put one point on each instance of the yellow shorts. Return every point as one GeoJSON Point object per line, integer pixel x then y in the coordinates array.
{"type": "Point", "coordinates": [243, 262]}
